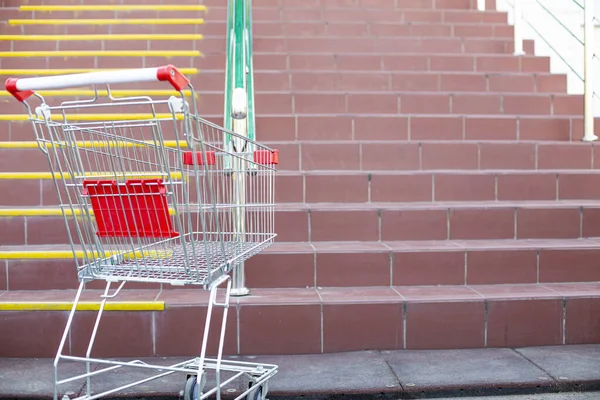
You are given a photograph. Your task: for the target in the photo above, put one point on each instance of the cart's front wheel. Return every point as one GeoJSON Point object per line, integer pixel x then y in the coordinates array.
{"type": "Point", "coordinates": [257, 394]}
{"type": "Point", "coordinates": [192, 391]}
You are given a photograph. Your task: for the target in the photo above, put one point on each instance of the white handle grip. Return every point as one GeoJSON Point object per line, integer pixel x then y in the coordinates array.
{"type": "Point", "coordinates": [21, 89]}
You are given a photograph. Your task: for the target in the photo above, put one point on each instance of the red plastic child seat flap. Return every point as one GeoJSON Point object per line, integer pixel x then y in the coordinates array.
{"type": "Point", "coordinates": [197, 158]}
{"type": "Point", "coordinates": [266, 157]}
{"type": "Point", "coordinates": [137, 208]}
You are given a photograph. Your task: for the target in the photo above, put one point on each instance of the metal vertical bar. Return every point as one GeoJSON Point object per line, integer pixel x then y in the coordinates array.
{"type": "Point", "coordinates": [588, 73]}
{"type": "Point", "coordinates": [239, 195]}
{"type": "Point", "coordinates": [239, 113]}
{"type": "Point", "coordinates": [249, 71]}
{"type": "Point", "coordinates": [229, 78]}
{"type": "Point", "coordinates": [63, 339]}
{"type": "Point", "coordinates": [517, 28]}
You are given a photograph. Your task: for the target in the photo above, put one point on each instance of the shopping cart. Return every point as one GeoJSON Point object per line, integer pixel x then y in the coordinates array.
{"type": "Point", "coordinates": [146, 198]}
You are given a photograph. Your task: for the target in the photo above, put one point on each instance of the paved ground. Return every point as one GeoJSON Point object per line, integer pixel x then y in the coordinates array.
{"type": "Point", "coordinates": [548, 396]}
{"type": "Point", "coordinates": [566, 370]}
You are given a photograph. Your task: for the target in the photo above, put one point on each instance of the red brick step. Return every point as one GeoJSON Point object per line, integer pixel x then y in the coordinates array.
{"type": "Point", "coordinates": [363, 155]}
{"type": "Point", "coordinates": [358, 187]}
{"type": "Point", "coordinates": [408, 317]}
{"type": "Point", "coordinates": [424, 103]}
{"type": "Point", "coordinates": [372, 82]}
{"type": "Point", "coordinates": [413, 12]}
{"type": "Point", "coordinates": [347, 264]}
{"type": "Point", "coordinates": [269, 28]}
{"type": "Point", "coordinates": [332, 13]}
{"type": "Point", "coordinates": [382, 127]}
{"type": "Point", "coordinates": [59, 62]}
{"type": "Point", "coordinates": [279, 61]}
{"type": "Point", "coordinates": [404, 62]}
{"type": "Point", "coordinates": [382, 221]}
{"type": "Point", "coordinates": [369, 29]}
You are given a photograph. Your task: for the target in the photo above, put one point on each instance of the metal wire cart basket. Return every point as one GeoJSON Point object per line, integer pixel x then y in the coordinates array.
{"type": "Point", "coordinates": [159, 195]}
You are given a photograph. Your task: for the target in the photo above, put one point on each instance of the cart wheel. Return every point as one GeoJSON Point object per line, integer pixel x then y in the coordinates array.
{"type": "Point", "coordinates": [256, 394]}
{"type": "Point", "coordinates": [191, 390]}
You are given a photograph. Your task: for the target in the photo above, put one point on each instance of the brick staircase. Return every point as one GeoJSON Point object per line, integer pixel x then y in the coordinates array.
{"type": "Point", "coordinates": [433, 190]}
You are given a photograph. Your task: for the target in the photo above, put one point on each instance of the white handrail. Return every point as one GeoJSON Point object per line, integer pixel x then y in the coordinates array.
{"type": "Point", "coordinates": [588, 53]}
{"type": "Point", "coordinates": [588, 74]}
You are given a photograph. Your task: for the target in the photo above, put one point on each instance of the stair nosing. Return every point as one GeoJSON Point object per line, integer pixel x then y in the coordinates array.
{"type": "Point", "coordinates": [375, 246]}
{"type": "Point", "coordinates": [346, 295]}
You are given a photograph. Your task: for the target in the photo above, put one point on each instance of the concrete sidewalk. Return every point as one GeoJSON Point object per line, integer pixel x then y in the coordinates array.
{"type": "Point", "coordinates": [369, 374]}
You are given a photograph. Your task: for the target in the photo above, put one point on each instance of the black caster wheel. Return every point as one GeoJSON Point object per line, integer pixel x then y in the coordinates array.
{"type": "Point", "coordinates": [256, 394]}
{"type": "Point", "coordinates": [191, 390]}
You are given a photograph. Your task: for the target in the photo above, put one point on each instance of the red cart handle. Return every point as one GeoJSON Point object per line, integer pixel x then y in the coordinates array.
{"type": "Point", "coordinates": [21, 89]}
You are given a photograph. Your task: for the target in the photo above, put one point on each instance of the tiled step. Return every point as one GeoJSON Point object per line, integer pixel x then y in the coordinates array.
{"type": "Point", "coordinates": [371, 125]}
{"type": "Point", "coordinates": [424, 11]}
{"type": "Point", "coordinates": [17, 3]}
{"type": "Point", "coordinates": [266, 44]}
{"type": "Point", "coordinates": [301, 43]}
{"type": "Point", "coordinates": [67, 45]}
{"type": "Point", "coordinates": [383, 45]}
{"type": "Point", "coordinates": [347, 264]}
{"type": "Point", "coordinates": [346, 90]}
{"type": "Point", "coordinates": [190, 27]}
{"type": "Point", "coordinates": [294, 321]}
{"type": "Point", "coordinates": [56, 61]}
{"type": "Point", "coordinates": [357, 187]}
{"type": "Point", "coordinates": [371, 156]}
{"type": "Point", "coordinates": [407, 81]}
{"type": "Point", "coordinates": [404, 62]}
{"type": "Point", "coordinates": [352, 61]}
{"type": "Point", "coordinates": [399, 103]}
{"type": "Point", "coordinates": [332, 13]}
{"type": "Point", "coordinates": [374, 222]}
{"type": "Point", "coordinates": [408, 263]}
{"type": "Point", "coordinates": [14, 13]}
{"type": "Point", "coordinates": [369, 29]}
{"type": "Point", "coordinates": [274, 29]}
{"type": "Point", "coordinates": [425, 81]}
{"type": "Point", "coordinates": [449, 4]}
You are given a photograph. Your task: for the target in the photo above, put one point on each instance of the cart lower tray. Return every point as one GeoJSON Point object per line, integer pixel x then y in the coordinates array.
{"type": "Point", "coordinates": [177, 264]}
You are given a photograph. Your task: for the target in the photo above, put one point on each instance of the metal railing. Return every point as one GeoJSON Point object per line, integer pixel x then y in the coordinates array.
{"type": "Point", "coordinates": [239, 97]}
{"type": "Point", "coordinates": [587, 43]}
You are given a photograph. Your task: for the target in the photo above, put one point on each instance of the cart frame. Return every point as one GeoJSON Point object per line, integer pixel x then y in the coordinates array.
{"type": "Point", "coordinates": [213, 277]}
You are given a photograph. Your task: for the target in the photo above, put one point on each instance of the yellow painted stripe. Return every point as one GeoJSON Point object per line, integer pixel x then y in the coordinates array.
{"type": "Point", "coordinates": [17, 72]}
{"type": "Point", "coordinates": [54, 38]}
{"type": "Point", "coordinates": [35, 212]}
{"type": "Point", "coordinates": [45, 212]}
{"type": "Point", "coordinates": [102, 53]}
{"type": "Point", "coordinates": [34, 255]}
{"type": "Point", "coordinates": [83, 306]}
{"type": "Point", "coordinates": [68, 254]}
{"type": "Point", "coordinates": [93, 117]}
{"type": "Point", "coordinates": [80, 144]}
{"type": "Point", "coordinates": [116, 93]}
{"type": "Point", "coordinates": [99, 21]}
{"type": "Point", "coordinates": [157, 7]}
{"type": "Point", "coordinates": [50, 175]}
